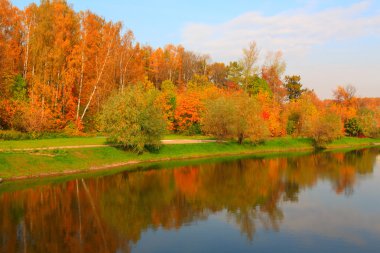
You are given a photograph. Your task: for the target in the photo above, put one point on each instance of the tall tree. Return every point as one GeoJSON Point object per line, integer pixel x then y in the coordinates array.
{"type": "Point", "coordinates": [272, 72]}
{"type": "Point", "coordinates": [10, 45]}
{"type": "Point", "coordinates": [250, 57]}
{"type": "Point", "coordinates": [293, 87]}
{"type": "Point", "coordinates": [345, 103]}
{"type": "Point", "coordinates": [217, 73]}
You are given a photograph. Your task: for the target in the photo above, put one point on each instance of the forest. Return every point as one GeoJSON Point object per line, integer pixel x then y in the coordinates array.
{"type": "Point", "coordinates": [63, 71]}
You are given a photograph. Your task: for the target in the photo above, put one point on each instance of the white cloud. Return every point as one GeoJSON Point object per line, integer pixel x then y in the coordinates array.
{"type": "Point", "coordinates": [293, 32]}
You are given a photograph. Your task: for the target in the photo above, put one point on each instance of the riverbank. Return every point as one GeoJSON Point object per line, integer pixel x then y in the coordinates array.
{"type": "Point", "coordinates": [15, 165]}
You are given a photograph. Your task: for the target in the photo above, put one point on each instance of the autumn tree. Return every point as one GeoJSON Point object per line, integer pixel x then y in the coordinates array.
{"type": "Point", "coordinates": [326, 129]}
{"type": "Point", "coordinates": [129, 60]}
{"type": "Point", "coordinates": [188, 112]}
{"type": "Point", "coordinates": [52, 30]}
{"type": "Point", "coordinates": [272, 72]}
{"type": "Point", "coordinates": [345, 102]}
{"type": "Point", "coordinates": [168, 101]}
{"type": "Point", "coordinates": [249, 121]}
{"type": "Point", "coordinates": [250, 57]}
{"type": "Point", "coordinates": [10, 45]}
{"type": "Point", "coordinates": [219, 118]}
{"type": "Point", "coordinates": [98, 81]}
{"type": "Point", "coordinates": [217, 74]}
{"type": "Point", "coordinates": [237, 116]}
{"type": "Point", "coordinates": [271, 113]}
{"type": "Point", "coordinates": [302, 114]}
{"type": "Point", "coordinates": [345, 95]}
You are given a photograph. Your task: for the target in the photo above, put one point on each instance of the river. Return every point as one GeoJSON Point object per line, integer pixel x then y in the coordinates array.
{"type": "Point", "coordinates": [317, 202]}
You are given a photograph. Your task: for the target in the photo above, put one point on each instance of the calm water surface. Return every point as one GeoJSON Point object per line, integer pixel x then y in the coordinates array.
{"type": "Point", "coordinates": [326, 202]}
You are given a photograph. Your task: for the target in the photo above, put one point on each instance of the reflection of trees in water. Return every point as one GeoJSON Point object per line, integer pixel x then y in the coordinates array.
{"type": "Point", "coordinates": [107, 214]}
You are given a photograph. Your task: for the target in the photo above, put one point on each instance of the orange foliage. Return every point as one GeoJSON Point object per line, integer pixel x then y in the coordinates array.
{"type": "Point", "coordinates": [188, 111]}
{"type": "Point", "coordinates": [72, 61]}
{"type": "Point", "coordinates": [272, 114]}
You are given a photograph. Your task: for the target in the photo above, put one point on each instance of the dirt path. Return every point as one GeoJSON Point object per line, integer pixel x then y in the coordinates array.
{"type": "Point", "coordinates": [186, 141]}
{"type": "Point", "coordinates": [165, 142]}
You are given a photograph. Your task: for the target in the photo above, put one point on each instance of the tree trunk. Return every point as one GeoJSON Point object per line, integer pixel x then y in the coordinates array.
{"type": "Point", "coordinates": [80, 84]}
{"type": "Point", "coordinates": [240, 139]}
{"type": "Point", "coordinates": [99, 77]}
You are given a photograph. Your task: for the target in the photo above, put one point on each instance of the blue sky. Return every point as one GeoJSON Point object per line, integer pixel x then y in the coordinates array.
{"type": "Point", "coordinates": [328, 43]}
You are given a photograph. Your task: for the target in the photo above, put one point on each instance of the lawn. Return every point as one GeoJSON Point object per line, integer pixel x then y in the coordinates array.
{"type": "Point", "coordinates": [57, 142]}
{"type": "Point", "coordinates": [79, 141]}
{"type": "Point", "coordinates": [352, 141]}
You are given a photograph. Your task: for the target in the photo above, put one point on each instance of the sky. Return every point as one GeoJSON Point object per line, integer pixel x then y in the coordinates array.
{"type": "Point", "coordinates": [327, 43]}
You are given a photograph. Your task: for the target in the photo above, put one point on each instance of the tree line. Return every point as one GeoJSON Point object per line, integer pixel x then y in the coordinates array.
{"type": "Point", "coordinates": [60, 69]}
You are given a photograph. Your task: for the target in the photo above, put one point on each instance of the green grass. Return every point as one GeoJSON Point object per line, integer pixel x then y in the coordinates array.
{"type": "Point", "coordinates": [17, 164]}
{"type": "Point", "coordinates": [78, 141]}
{"type": "Point", "coordinates": [43, 143]}
{"type": "Point", "coordinates": [352, 141]}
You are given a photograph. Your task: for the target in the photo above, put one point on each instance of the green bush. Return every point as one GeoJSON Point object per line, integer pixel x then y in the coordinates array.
{"type": "Point", "coordinates": [367, 123]}
{"type": "Point", "coordinates": [194, 129]}
{"type": "Point", "coordinates": [8, 135]}
{"type": "Point", "coordinates": [293, 121]}
{"type": "Point", "coordinates": [327, 129]}
{"type": "Point", "coordinates": [133, 119]}
{"type": "Point", "coordinates": [352, 127]}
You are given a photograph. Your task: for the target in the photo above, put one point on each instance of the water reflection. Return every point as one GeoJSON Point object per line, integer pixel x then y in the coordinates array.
{"type": "Point", "coordinates": [109, 214]}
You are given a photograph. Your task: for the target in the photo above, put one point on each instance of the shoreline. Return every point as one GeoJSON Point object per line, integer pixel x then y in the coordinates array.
{"type": "Point", "coordinates": [129, 163]}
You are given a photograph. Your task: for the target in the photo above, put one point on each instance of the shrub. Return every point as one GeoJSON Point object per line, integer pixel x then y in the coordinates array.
{"type": "Point", "coordinates": [326, 129]}
{"type": "Point", "coordinates": [352, 127]}
{"type": "Point", "coordinates": [133, 119]}
{"type": "Point", "coordinates": [293, 121]}
{"type": "Point", "coordinates": [367, 123]}
{"type": "Point", "coordinates": [219, 118]}
{"type": "Point", "coordinates": [8, 135]}
{"type": "Point", "coordinates": [238, 116]}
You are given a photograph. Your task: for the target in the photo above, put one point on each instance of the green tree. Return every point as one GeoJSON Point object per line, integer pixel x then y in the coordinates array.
{"type": "Point", "coordinates": [19, 88]}
{"type": "Point", "coordinates": [293, 122]}
{"type": "Point", "coordinates": [293, 87]}
{"type": "Point", "coordinates": [235, 72]}
{"type": "Point", "coordinates": [133, 119]}
{"type": "Point", "coordinates": [255, 84]}
{"type": "Point", "coordinates": [352, 127]}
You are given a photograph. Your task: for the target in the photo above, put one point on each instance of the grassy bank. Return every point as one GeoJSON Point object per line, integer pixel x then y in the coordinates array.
{"type": "Point", "coordinates": [347, 142]}
{"type": "Point", "coordinates": [77, 141]}
{"type": "Point", "coordinates": [55, 162]}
